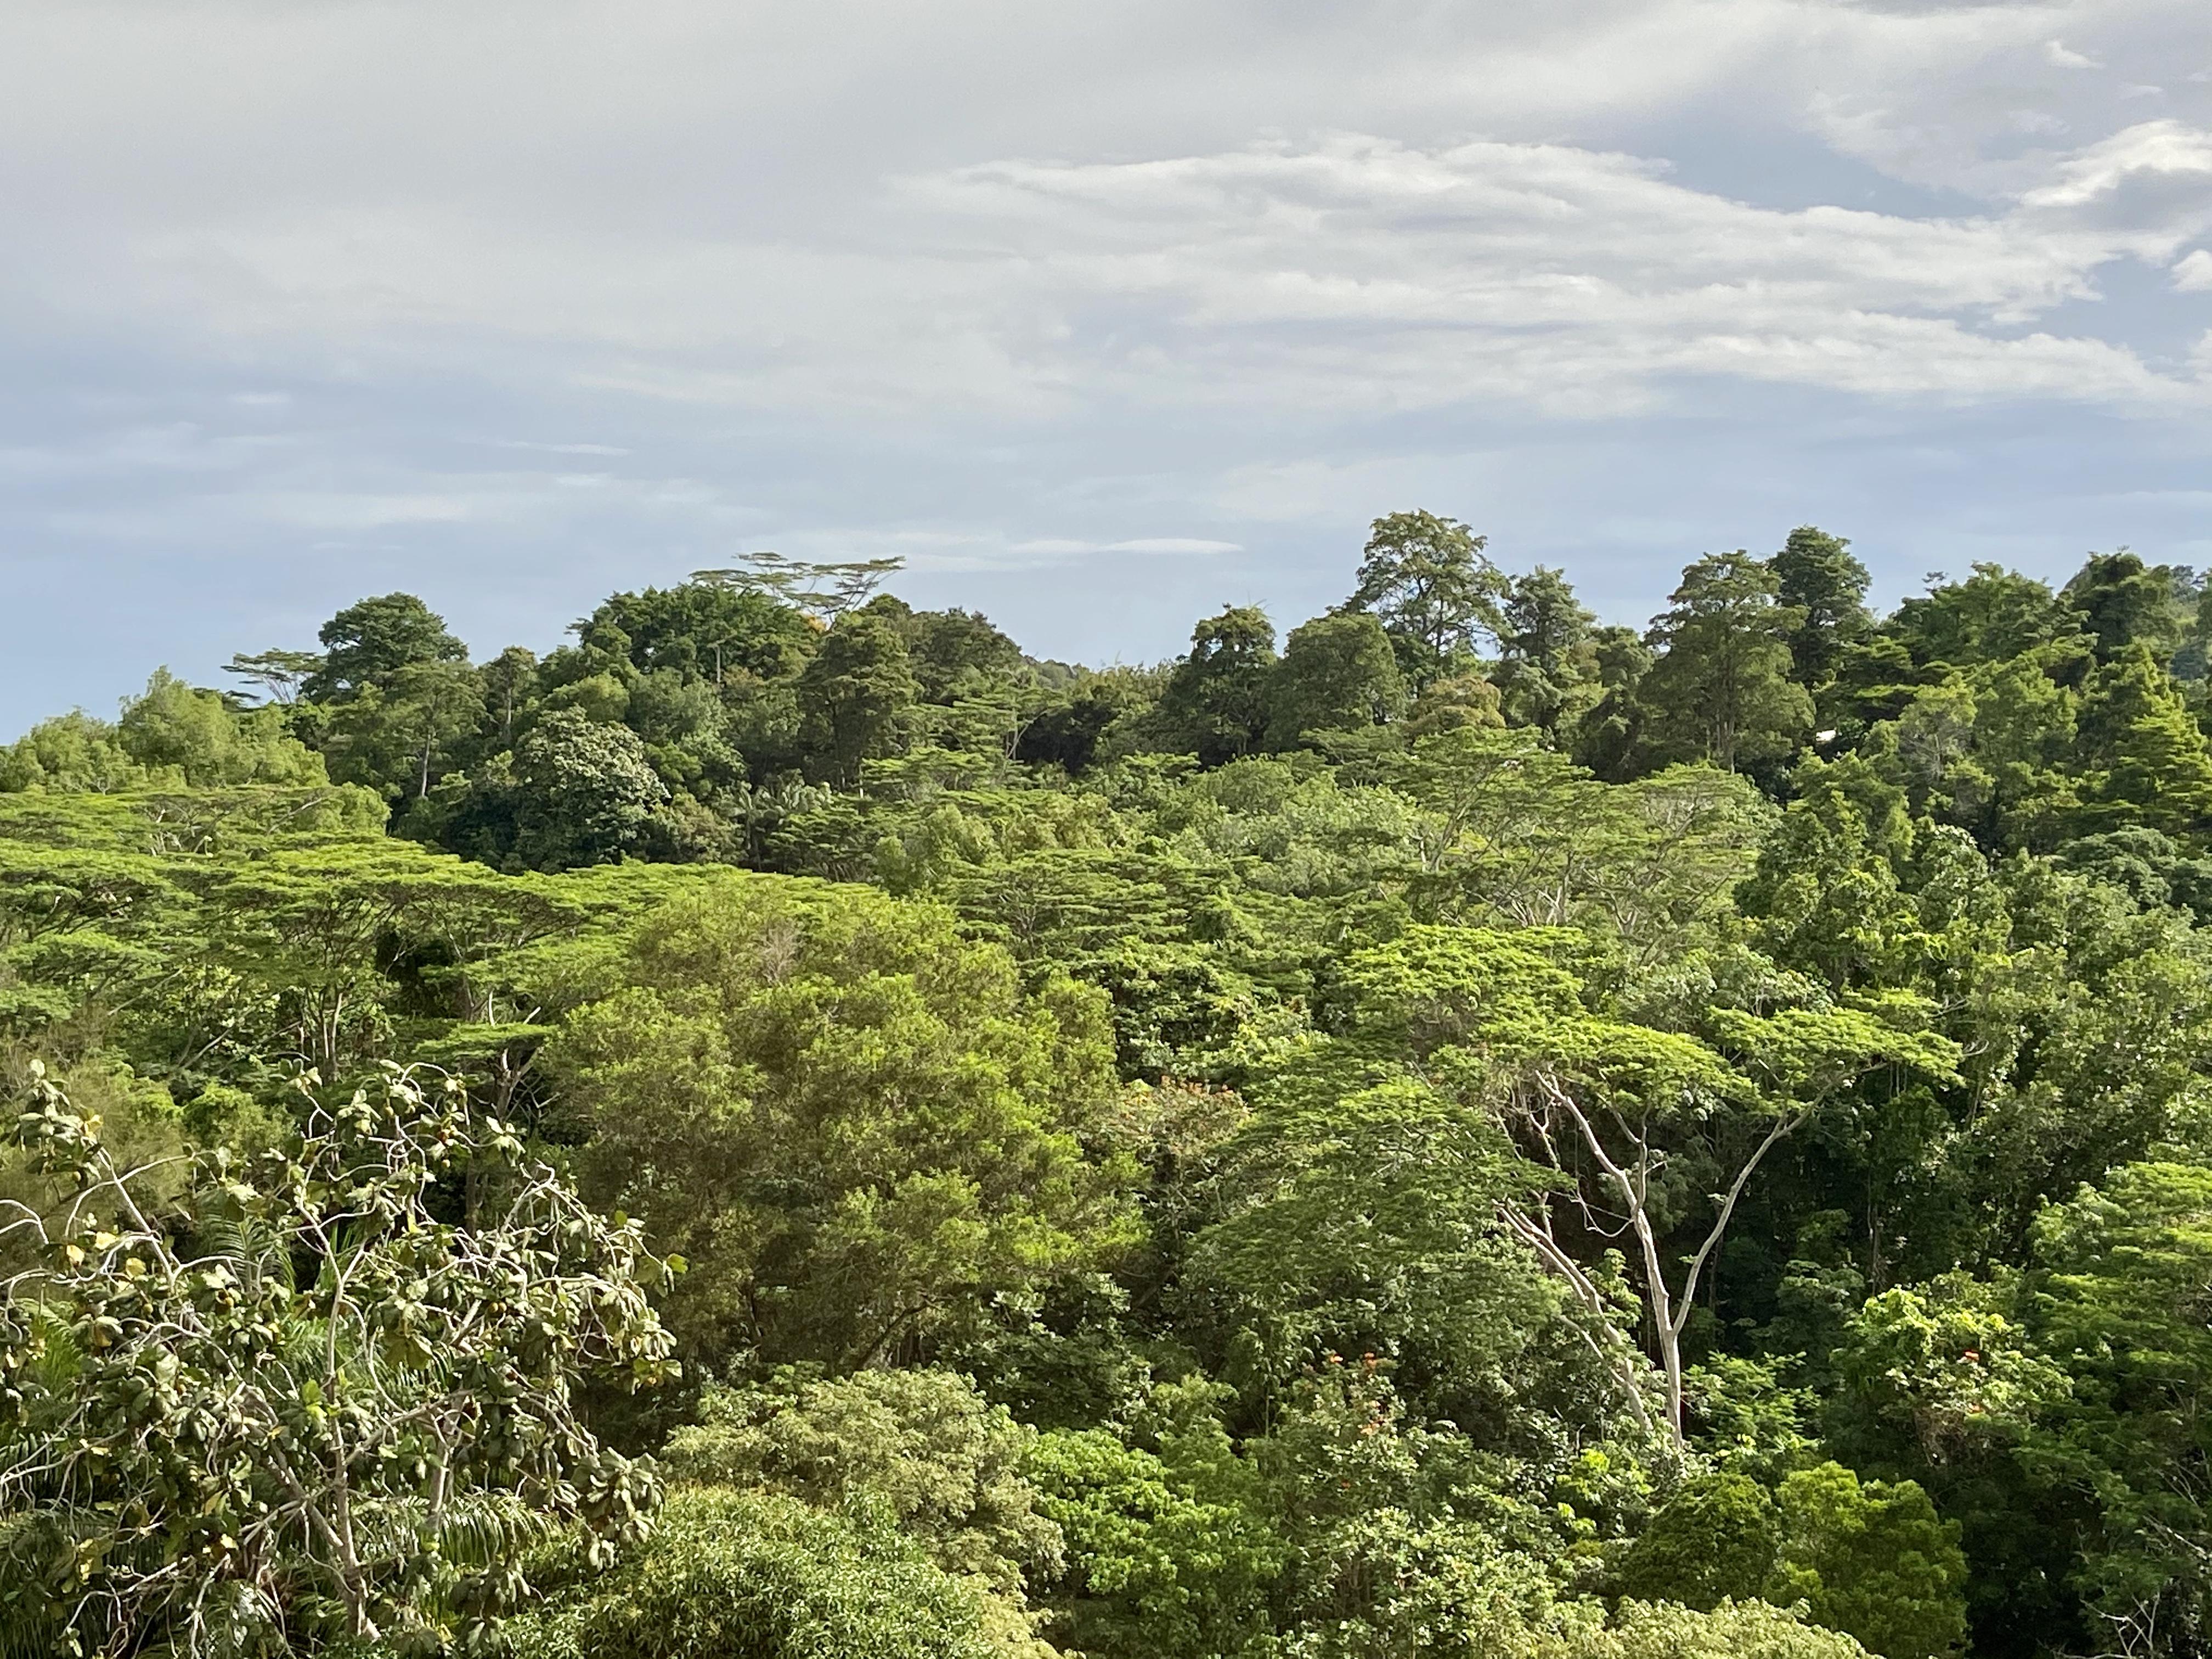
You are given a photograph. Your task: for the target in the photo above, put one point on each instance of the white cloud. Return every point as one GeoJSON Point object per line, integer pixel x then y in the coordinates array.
{"type": "Point", "coordinates": [1349, 272]}
{"type": "Point", "coordinates": [178, 448]}
{"type": "Point", "coordinates": [2154, 179]}
{"type": "Point", "coordinates": [326, 510]}
{"type": "Point", "coordinates": [1065, 546]}
{"type": "Point", "coordinates": [1172, 544]}
{"type": "Point", "coordinates": [2193, 272]}
{"type": "Point", "coordinates": [656, 231]}
{"type": "Point", "coordinates": [560, 449]}
{"type": "Point", "coordinates": [1578, 282]}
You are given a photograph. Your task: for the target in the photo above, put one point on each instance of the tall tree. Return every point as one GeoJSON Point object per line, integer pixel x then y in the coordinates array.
{"type": "Point", "coordinates": [2121, 602]}
{"type": "Point", "coordinates": [1436, 592]}
{"type": "Point", "coordinates": [198, 738]}
{"type": "Point", "coordinates": [870, 1128]}
{"type": "Point", "coordinates": [585, 792]}
{"type": "Point", "coordinates": [1215, 704]}
{"type": "Point", "coordinates": [1621, 1113]}
{"type": "Point", "coordinates": [957, 650]}
{"type": "Point", "coordinates": [1871, 1560]}
{"type": "Point", "coordinates": [370, 640]}
{"type": "Point", "coordinates": [1609, 738]}
{"type": "Point", "coordinates": [1992, 616]}
{"type": "Point", "coordinates": [1721, 689]}
{"type": "Point", "coordinates": [2147, 759]}
{"type": "Point", "coordinates": [1819, 576]}
{"type": "Point", "coordinates": [510, 679]}
{"type": "Point", "coordinates": [2126, 1300]}
{"type": "Point", "coordinates": [705, 630]}
{"type": "Point", "coordinates": [71, 754]}
{"type": "Point", "coordinates": [1337, 673]}
{"type": "Point", "coordinates": [856, 698]}
{"type": "Point", "coordinates": [1548, 672]}
{"type": "Point", "coordinates": [399, 733]}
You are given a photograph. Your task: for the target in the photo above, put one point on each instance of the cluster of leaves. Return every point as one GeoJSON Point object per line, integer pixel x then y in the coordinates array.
{"type": "Point", "coordinates": [300, 1404]}
{"type": "Point", "coordinates": [1478, 1133]}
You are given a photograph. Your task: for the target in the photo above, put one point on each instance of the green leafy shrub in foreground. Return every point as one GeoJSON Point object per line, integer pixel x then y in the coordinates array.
{"type": "Point", "coordinates": [298, 1407]}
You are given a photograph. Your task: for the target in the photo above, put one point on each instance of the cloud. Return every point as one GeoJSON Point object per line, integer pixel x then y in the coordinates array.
{"type": "Point", "coordinates": [1148, 253]}
{"type": "Point", "coordinates": [1573, 281]}
{"type": "Point", "coordinates": [1186, 544]}
{"type": "Point", "coordinates": [1172, 544]}
{"type": "Point", "coordinates": [560, 449]}
{"type": "Point", "coordinates": [1349, 271]}
{"type": "Point", "coordinates": [2193, 272]}
{"type": "Point", "coordinates": [2144, 187]}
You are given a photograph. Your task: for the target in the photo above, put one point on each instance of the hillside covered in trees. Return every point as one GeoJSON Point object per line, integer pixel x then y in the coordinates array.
{"type": "Point", "coordinates": [787, 1128]}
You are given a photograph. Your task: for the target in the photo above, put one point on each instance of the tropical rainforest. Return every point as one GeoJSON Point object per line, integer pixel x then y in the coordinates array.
{"type": "Point", "coordinates": [786, 1127]}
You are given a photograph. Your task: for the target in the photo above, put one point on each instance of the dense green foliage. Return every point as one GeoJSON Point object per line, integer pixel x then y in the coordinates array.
{"type": "Point", "coordinates": [786, 1128]}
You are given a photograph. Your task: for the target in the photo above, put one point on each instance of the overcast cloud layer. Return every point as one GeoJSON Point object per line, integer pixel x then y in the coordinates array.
{"type": "Point", "coordinates": [1102, 317]}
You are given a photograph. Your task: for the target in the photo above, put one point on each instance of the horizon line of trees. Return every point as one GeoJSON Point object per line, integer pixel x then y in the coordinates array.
{"type": "Point", "coordinates": [689, 722]}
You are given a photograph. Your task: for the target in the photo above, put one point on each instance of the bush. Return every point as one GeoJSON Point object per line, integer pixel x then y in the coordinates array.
{"type": "Point", "coordinates": [737, 1575]}
{"type": "Point", "coordinates": [1713, 1541]}
{"type": "Point", "coordinates": [1154, 1570]}
{"type": "Point", "coordinates": [1733, 1629]}
{"type": "Point", "coordinates": [923, 1446]}
{"type": "Point", "coordinates": [1871, 1559]}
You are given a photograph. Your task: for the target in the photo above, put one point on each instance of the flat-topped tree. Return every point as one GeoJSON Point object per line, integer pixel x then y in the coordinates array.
{"type": "Point", "coordinates": [276, 674]}
{"type": "Point", "coordinates": [827, 590]}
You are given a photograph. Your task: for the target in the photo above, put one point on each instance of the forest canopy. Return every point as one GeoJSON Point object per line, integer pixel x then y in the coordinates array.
{"type": "Point", "coordinates": [787, 1127]}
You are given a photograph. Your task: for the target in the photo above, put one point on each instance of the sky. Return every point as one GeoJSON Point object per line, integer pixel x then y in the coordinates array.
{"type": "Point", "coordinates": [1102, 317]}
